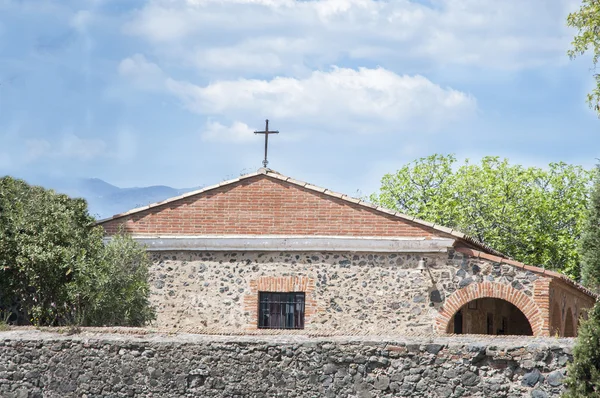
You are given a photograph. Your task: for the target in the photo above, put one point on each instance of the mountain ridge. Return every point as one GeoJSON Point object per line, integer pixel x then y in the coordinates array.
{"type": "Point", "coordinates": [105, 200]}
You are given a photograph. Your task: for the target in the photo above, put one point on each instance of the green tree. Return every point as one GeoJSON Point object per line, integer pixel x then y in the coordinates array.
{"type": "Point", "coordinates": [583, 374]}
{"type": "Point", "coordinates": [531, 214]}
{"type": "Point", "coordinates": [54, 265]}
{"type": "Point", "coordinates": [114, 289]}
{"type": "Point", "coordinates": [590, 239]}
{"type": "Point", "coordinates": [587, 21]}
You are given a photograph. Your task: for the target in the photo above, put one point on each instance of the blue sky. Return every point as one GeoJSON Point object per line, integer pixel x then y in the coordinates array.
{"type": "Point", "coordinates": [169, 91]}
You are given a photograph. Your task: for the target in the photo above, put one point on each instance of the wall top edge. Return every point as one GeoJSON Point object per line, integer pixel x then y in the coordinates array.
{"type": "Point", "coordinates": [287, 243]}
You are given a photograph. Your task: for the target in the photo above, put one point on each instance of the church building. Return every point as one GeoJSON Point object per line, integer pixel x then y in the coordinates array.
{"type": "Point", "coordinates": [265, 253]}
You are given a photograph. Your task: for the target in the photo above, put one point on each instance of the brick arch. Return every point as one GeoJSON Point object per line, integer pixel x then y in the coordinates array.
{"type": "Point", "coordinates": [490, 290]}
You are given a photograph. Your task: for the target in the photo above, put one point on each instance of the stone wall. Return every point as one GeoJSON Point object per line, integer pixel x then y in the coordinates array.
{"type": "Point", "coordinates": [367, 293]}
{"type": "Point", "coordinates": [40, 364]}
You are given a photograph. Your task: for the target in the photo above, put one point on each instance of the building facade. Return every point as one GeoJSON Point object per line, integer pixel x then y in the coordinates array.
{"type": "Point", "coordinates": [266, 252]}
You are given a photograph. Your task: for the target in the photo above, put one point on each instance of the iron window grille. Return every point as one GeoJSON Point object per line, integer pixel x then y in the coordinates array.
{"type": "Point", "coordinates": [281, 310]}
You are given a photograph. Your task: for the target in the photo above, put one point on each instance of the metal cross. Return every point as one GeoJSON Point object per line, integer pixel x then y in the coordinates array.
{"type": "Point", "coordinates": [266, 133]}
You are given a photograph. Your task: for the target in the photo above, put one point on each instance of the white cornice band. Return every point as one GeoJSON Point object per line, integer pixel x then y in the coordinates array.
{"type": "Point", "coordinates": [294, 243]}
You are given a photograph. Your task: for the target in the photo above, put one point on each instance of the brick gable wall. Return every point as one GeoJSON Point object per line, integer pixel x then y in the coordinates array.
{"type": "Point", "coordinates": [264, 206]}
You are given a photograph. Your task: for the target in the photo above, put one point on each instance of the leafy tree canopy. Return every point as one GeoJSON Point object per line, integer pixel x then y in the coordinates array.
{"type": "Point", "coordinates": [531, 214]}
{"type": "Point", "coordinates": [55, 269]}
{"type": "Point", "coordinates": [587, 22]}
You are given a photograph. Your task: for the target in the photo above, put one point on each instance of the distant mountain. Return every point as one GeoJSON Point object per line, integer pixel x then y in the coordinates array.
{"type": "Point", "coordinates": [105, 200]}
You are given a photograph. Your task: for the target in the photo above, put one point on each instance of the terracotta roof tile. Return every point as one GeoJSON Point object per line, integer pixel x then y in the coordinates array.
{"type": "Point", "coordinates": [537, 270]}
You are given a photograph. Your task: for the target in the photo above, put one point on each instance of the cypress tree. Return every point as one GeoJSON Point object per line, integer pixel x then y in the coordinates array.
{"type": "Point", "coordinates": [590, 239]}
{"type": "Point", "coordinates": [583, 379]}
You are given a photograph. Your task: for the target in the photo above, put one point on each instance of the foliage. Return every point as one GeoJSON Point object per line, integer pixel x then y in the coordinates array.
{"type": "Point", "coordinates": [54, 265]}
{"type": "Point", "coordinates": [583, 374]}
{"type": "Point", "coordinates": [45, 240]}
{"type": "Point", "coordinates": [117, 285]}
{"type": "Point", "coordinates": [587, 22]}
{"type": "Point", "coordinates": [531, 214]}
{"type": "Point", "coordinates": [4, 316]}
{"type": "Point", "coordinates": [590, 239]}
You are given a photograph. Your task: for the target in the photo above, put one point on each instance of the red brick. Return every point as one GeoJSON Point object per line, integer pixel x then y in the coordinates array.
{"type": "Point", "coordinates": [262, 205]}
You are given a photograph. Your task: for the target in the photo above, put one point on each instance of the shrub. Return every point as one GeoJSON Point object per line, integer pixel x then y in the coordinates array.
{"type": "Point", "coordinates": [583, 379]}
{"type": "Point", "coordinates": [55, 267]}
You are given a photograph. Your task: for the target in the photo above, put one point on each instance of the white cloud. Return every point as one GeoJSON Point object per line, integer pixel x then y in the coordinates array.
{"type": "Point", "coordinates": [81, 20]}
{"type": "Point", "coordinates": [244, 34]}
{"type": "Point", "coordinates": [267, 54]}
{"type": "Point", "coordinates": [141, 72]}
{"type": "Point", "coordinates": [160, 23]}
{"type": "Point", "coordinates": [363, 99]}
{"type": "Point", "coordinates": [236, 132]}
{"type": "Point", "coordinates": [339, 99]}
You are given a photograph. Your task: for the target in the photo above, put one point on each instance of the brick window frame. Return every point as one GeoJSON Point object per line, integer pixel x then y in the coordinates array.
{"type": "Point", "coordinates": [279, 284]}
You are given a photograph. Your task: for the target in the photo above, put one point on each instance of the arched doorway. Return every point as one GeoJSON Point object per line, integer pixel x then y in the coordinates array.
{"type": "Point", "coordinates": [457, 328]}
{"type": "Point", "coordinates": [492, 316]}
{"type": "Point", "coordinates": [461, 297]}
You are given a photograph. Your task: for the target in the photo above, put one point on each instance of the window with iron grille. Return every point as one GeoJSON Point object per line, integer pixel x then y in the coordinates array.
{"type": "Point", "coordinates": [281, 310]}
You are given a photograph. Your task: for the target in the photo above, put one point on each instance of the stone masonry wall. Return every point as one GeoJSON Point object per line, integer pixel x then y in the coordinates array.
{"type": "Point", "coordinates": [367, 293]}
{"type": "Point", "coordinates": [39, 364]}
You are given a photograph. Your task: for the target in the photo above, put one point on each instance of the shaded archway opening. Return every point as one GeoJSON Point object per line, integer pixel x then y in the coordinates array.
{"type": "Point", "coordinates": [491, 316]}
{"type": "Point", "coordinates": [555, 321]}
{"type": "Point", "coordinates": [569, 329]}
